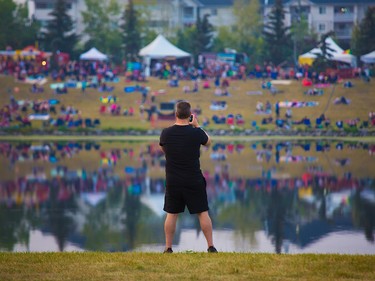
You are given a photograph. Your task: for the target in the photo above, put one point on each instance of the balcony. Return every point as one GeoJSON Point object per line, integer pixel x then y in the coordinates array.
{"type": "Point", "coordinates": [343, 33]}
{"type": "Point", "coordinates": [348, 17]}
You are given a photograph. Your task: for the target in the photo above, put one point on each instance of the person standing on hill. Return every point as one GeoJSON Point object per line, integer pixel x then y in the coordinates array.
{"type": "Point", "coordinates": [185, 183]}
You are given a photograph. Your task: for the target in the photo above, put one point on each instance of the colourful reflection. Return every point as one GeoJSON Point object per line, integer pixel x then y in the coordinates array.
{"type": "Point", "coordinates": [264, 197]}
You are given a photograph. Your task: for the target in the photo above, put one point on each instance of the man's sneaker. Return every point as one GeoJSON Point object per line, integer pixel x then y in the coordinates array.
{"type": "Point", "coordinates": [168, 251]}
{"type": "Point", "coordinates": [211, 249]}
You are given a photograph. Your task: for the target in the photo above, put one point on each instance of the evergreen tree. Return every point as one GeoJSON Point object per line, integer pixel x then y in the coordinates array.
{"type": "Point", "coordinates": [202, 36]}
{"type": "Point", "coordinates": [323, 59]}
{"type": "Point", "coordinates": [60, 33]}
{"type": "Point", "coordinates": [278, 43]}
{"type": "Point", "coordinates": [363, 38]}
{"type": "Point", "coordinates": [132, 39]}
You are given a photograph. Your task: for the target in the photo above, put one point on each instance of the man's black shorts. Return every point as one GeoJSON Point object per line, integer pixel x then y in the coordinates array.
{"type": "Point", "coordinates": [193, 196]}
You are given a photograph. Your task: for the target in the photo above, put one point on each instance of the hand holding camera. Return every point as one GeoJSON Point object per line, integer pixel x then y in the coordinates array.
{"type": "Point", "coordinates": [193, 121]}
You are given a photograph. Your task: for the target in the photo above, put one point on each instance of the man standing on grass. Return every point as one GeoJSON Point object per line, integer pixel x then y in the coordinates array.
{"type": "Point", "coordinates": [185, 184]}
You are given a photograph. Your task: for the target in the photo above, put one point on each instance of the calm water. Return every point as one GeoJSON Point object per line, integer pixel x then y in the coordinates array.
{"type": "Point", "coordinates": [283, 197]}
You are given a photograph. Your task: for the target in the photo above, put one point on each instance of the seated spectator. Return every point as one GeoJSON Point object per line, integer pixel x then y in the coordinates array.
{"type": "Point", "coordinates": [353, 122]}
{"type": "Point", "coordinates": [186, 89]}
{"type": "Point", "coordinates": [173, 82]}
{"type": "Point", "coordinates": [195, 87]}
{"type": "Point", "coordinates": [340, 124]}
{"type": "Point", "coordinates": [205, 122]}
{"type": "Point", "coordinates": [302, 121]}
{"type": "Point", "coordinates": [348, 84]}
{"type": "Point", "coordinates": [314, 92]}
{"type": "Point", "coordinates": [318, 123]}
{"type": "Point", "coordinates": [267, 120]}
{"type": "Point", "coordinates": [280, 123]}
{"type": "Point", "coordinates": [266, 85]}
{"type": "Point", "coordinates": [259, 107]}
{"type": "Point", "coordinates": [88, 122]}
{"type": "Point", "coordinates": [219, 120]}
{"type": "Point", "coordinates": [35, 89]}
{"type": "Point", "coordinates": [327, 122]}
{"type": "Point", "coordinates": [225, 83]}
{"type": "Point", "coordinates": [364, 125]}
{"type": "Point", "coordinates": [288, 113]}
{"type": "Point", "coordinates": [230, 119]}
{"type": "Point", "coordinates": [131, 111]}
{"type": "Point", "coordinates": [341, 100]}
{"type": "Point", "coordinates": [268, 106]}
{"type": "Point", "coordinates": [26, 121]}
{"type": "Point", "coordinates": [61, 90]}
{"type": "Point", "coordinates": [206, 84]}
{"type": "Point", "coordinates": [239, 119]}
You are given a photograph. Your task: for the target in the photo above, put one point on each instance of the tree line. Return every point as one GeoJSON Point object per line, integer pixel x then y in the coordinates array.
{"type": "Point", "coordinates": [122, 31]}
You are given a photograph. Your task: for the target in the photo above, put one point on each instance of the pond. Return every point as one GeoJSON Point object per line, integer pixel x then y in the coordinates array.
{"type": "Point", "coordinates": [271, 196]}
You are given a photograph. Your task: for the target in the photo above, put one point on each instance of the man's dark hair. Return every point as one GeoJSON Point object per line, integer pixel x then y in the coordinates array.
{"type": "Point", "coordinates": [183, 110]}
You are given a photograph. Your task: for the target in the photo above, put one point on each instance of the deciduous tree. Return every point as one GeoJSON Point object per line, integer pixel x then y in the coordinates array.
{"type": "Point", "coordinates": [101, 25]}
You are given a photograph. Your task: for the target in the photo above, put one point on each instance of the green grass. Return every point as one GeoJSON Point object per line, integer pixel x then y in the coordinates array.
{"type": "Point", "coordinates": [361, 95]}
{"type": "Point", "coordinates": [184, 266]}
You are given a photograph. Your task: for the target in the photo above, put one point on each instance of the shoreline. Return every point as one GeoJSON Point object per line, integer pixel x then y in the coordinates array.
{"type": "Point", "coordinates": [219, 135]}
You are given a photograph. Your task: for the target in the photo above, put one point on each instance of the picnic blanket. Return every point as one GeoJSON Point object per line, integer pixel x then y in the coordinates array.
{"type": "Point", "coordinates": [297, 159]}
{"type": "Point", "coordinates": [264, 112]}
{"type": "Point", "coordinates": [298, 104]}
{"type": "Point", "coordinates": [281, 82]}
{"type": "Point", "coordinates": [322, 85]}
{"type": "Point", "coordinates": [55, 86]}
{"type": "Point", "coordinates": [39, 117]}
{"type": "Point", "coordinates": [53, 101]}
{"type": "Point", "coordinates": [254, 93]}
{"type": "Point", "coordinates": [218, 105]}
{"type": "Point", "coordinates": [38, 80]}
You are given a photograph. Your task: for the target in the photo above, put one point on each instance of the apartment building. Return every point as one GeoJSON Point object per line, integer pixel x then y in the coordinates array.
{"type": "Point", "coordinates": [166, 16]}
{"type": "Point", "coordinates": [324, 15]}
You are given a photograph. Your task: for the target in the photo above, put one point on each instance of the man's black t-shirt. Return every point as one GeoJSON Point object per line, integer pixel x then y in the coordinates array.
{"type": "Point", "coordinates": [181, 145]}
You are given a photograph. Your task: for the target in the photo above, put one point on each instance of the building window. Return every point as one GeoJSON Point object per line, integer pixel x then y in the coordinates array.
{"type": "Point", "coordinates": [322, 10]}
{"type": "Point", "coordinates": [188, 12]}
{"type": "Point", "coordinates": [43, 5]}
{"type": "Point", "coordinates": [49, 6]}
{"type": "Point", "coordinates": [214, 12]}
{"type": "Point", "coordinates": [322, 27]}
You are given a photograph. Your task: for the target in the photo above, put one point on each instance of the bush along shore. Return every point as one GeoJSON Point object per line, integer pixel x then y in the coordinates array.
{"type": "Point", "coordinates": [27, 131]}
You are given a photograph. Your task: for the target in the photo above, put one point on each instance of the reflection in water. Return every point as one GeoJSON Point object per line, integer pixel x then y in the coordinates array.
{"type": "Point", "coordinates": [264, 196]}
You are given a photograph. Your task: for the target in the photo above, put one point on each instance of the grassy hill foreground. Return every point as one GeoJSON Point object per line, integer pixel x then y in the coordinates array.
{"type": "Point", "coordinates": [184, 266]}
{"type": "Point", "coordinates": [239, 102]}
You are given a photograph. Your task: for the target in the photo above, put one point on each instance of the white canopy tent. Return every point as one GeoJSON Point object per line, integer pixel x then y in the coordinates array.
{"type": "Point", "coordinates": [368, 58]}
{"type": "Point", "coordinates": [158, 49]}
{"type": "Point", "coordinates": [93, 54]}
{"type": "Point", "coordinates": [337, 53]}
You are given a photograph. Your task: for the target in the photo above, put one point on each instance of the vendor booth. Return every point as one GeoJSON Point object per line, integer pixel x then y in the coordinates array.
{"type": "Point", "coordinates": [368, 58]}
{"type": "Point", "coordinates": [93, 54]}
{"type": "Point", "coordinates": [337, 54]}
{"type": "Point", "coordinates": [160, 48]}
